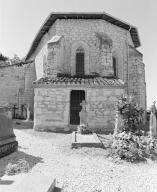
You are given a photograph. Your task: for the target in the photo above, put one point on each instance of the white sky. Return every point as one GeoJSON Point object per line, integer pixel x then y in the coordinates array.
{"type": "Point", "coordinates": [20, 20]}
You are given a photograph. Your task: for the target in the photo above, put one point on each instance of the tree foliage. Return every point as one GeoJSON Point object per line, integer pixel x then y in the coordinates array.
{"type": "Point", "coordinates": [15, 59]}
{"type": "Point", "coordinates": [3, 58]}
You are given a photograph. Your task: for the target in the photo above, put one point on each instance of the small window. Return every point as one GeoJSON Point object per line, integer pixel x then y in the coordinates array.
{"type": "Point", "coordinates": [114, 60]}
{"type": "Point", "coordinates": [80, 61]}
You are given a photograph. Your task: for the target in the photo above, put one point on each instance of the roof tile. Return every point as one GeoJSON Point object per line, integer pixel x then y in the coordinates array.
{"type": "Point", "coordinates": [87, 81]}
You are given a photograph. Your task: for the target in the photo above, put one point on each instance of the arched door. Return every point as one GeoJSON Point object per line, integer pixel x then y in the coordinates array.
{"type": "Point", "coordinates": [80, 61]}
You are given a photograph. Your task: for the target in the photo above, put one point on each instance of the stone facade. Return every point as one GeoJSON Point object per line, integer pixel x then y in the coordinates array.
{"type": "Point", "coordinates": [84, 33]}
{"type": "Point", "coordinates": [52, 108]}
{"type": "Point", "coordinates": [136, 77]}
{"type": "Point", "coordinates": [101, 41]}
{"type": "Point", "coordinates": [101, 107]}
{"type": "Point", "coordinates": [109, 52]}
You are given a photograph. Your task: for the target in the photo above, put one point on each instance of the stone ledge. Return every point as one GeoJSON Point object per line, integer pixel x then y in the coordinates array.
{"type": "Point", "coordinates": [84, 140]}
{"type": "Point", "coordinates": [36, 182]}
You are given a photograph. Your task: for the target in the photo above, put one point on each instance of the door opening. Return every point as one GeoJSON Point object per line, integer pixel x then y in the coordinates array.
{"type": "Point", "coordinates": [77, 96]}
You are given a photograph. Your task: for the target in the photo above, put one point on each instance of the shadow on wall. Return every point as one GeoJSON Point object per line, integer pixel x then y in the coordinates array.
{"type": "Point", "coordinates": [15, 157]}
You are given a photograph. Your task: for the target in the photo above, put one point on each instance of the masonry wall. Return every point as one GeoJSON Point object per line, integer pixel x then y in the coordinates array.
{"type": "Point", "coordinates": [52, 108]}
{"type": "Point", "coordinates": [30, 76]}
{"type": "Point", "coordinates": [137, 84]}
{"type": "Point", "coordinates": [16, 86]}
{"type": "Point", "coordinates": [76, 31]}
{"type": "Point", "coordinates": [102, 108]}
{"type": "Point", "coordinates": [12, 83]}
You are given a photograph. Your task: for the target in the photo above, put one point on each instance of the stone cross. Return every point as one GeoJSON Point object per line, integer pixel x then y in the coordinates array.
{"type": "Point", "coordinates": [83, 113]}
{"type": "Point", "coordinates": [28, 112]}
{"type": "Point", "coordinates": [153, 123]}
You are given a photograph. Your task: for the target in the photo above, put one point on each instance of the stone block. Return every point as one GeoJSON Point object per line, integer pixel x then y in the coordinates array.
{"type": "Point", "coordinates": [36, 182]}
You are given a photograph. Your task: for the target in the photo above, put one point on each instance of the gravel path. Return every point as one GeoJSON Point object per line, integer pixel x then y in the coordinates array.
{"type": "Point", "coordinates": [81, 170]}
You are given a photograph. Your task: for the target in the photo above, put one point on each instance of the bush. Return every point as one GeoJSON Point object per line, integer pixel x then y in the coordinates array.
{"type": "Point", "coordinates": [131, 147]}
{"type": "Point", "coordinates": [128, 141]}
{"type": "Point", "coordinates": [22, 166]}
{"type": "Point", "coordinates": [127, 146]}
{"type": "Point", "coordinates": [131, 114]}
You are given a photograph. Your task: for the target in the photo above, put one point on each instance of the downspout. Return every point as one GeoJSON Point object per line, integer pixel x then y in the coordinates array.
{"type": "Point", "coordinates": [127, 60]}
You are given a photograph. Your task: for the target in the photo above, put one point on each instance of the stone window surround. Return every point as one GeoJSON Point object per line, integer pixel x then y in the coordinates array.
{"type": "Point", "coordinates": [74, 48]}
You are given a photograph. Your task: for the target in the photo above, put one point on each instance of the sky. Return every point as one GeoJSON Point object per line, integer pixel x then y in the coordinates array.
{"type": "Point", "coordinates": [20, 21]}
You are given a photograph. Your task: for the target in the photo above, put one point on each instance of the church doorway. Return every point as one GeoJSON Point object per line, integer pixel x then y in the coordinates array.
{"type": "Point", "coordinates": [77, 96]}
{"type": "Point", "coordinates": [80, 61]}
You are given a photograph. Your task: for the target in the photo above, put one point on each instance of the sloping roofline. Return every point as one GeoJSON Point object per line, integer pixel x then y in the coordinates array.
{"type": "Point", "coordinates": [81, 15]}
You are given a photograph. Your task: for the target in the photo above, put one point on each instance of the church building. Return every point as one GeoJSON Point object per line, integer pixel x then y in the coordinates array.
{"type": "Point", "coordinates": [89, 57]}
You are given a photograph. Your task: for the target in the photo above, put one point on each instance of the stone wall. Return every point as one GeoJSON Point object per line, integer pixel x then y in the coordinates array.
{"type": "Point", "coordinates": [52, 108]}
{"type": "Point", "coordinates": [137, 84]}
{"type": "Point", "coordinates": [16, 86]}
{"type": "Point", "coordinates": [30, 76]}
{"type": "Point", "coordinates": [102, 107]}
{"type": "Point", "coordinates": [77, 31]}
{"type": "Point", "coordinates": [12, 83]}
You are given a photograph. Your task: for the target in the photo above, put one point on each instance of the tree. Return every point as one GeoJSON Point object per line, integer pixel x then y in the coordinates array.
{"type": "Point", "coordinates": [15, 59]}
{"type": "Point", "coordinates": [4, 61]}
{"type": "Point", "coordinates": [3, 58]}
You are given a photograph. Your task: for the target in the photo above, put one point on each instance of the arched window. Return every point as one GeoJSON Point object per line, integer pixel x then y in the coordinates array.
{"type": "Point", "coordinates": [80, 61]}
{"type": "Point", "coordinates": [114, 60]}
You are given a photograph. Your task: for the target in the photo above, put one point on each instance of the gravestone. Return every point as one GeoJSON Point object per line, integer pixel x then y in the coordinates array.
{"type": "Point", "coordinates": [28, 112]}
{"type": "Point", "coordinates": [153, 123]}
{"type": "Point", "coordinates": [118, 123]}
{"type": "Point", "coordinates": [83, 113]}
{"type": "Point", "coordinates": [83, 127]}
{"type": "Point", "coordinates": [8, 143]}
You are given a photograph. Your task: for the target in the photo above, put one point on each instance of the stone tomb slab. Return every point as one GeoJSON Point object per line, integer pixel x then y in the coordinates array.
{"type": "Point", "coordinates": [85, 140]}
{"type": "Point", "coordinates": [36, 182]}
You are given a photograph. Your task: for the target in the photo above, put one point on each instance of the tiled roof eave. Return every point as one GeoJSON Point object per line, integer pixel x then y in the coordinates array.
{"type": "Point", "coordinates": [78, 86]}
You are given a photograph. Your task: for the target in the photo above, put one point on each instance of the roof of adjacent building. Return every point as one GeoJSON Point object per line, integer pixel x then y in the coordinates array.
{"type": "Point", "coordinates": [86, 81]}
{"type": "Point", "coordinates": [84, 15]}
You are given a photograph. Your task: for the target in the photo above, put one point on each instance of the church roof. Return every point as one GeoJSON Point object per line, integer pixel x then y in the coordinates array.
{"type": "Point", "coordinates": [85, 81]}
{"type": "Point", "coordinates": [84, 15]}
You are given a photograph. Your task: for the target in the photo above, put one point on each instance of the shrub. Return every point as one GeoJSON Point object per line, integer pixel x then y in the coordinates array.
{"type": "Point", "coordinates": [131, 147]}
{"type": "Point", "coordinates": [128, 141]}
{"type": "Point", "coordinates": [22, 166]}
{"type": "Point", "coordinates": [131, 114]}
{"type": "Point", "coordinates": [127, 146]}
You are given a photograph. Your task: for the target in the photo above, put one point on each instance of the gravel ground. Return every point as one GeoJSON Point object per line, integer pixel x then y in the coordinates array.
{"type": "Point", "coordinates": [83, 169]}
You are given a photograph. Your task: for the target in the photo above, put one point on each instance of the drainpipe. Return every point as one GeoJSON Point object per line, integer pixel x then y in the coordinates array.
{"type": "Point", "coordinates": [127, 59]}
